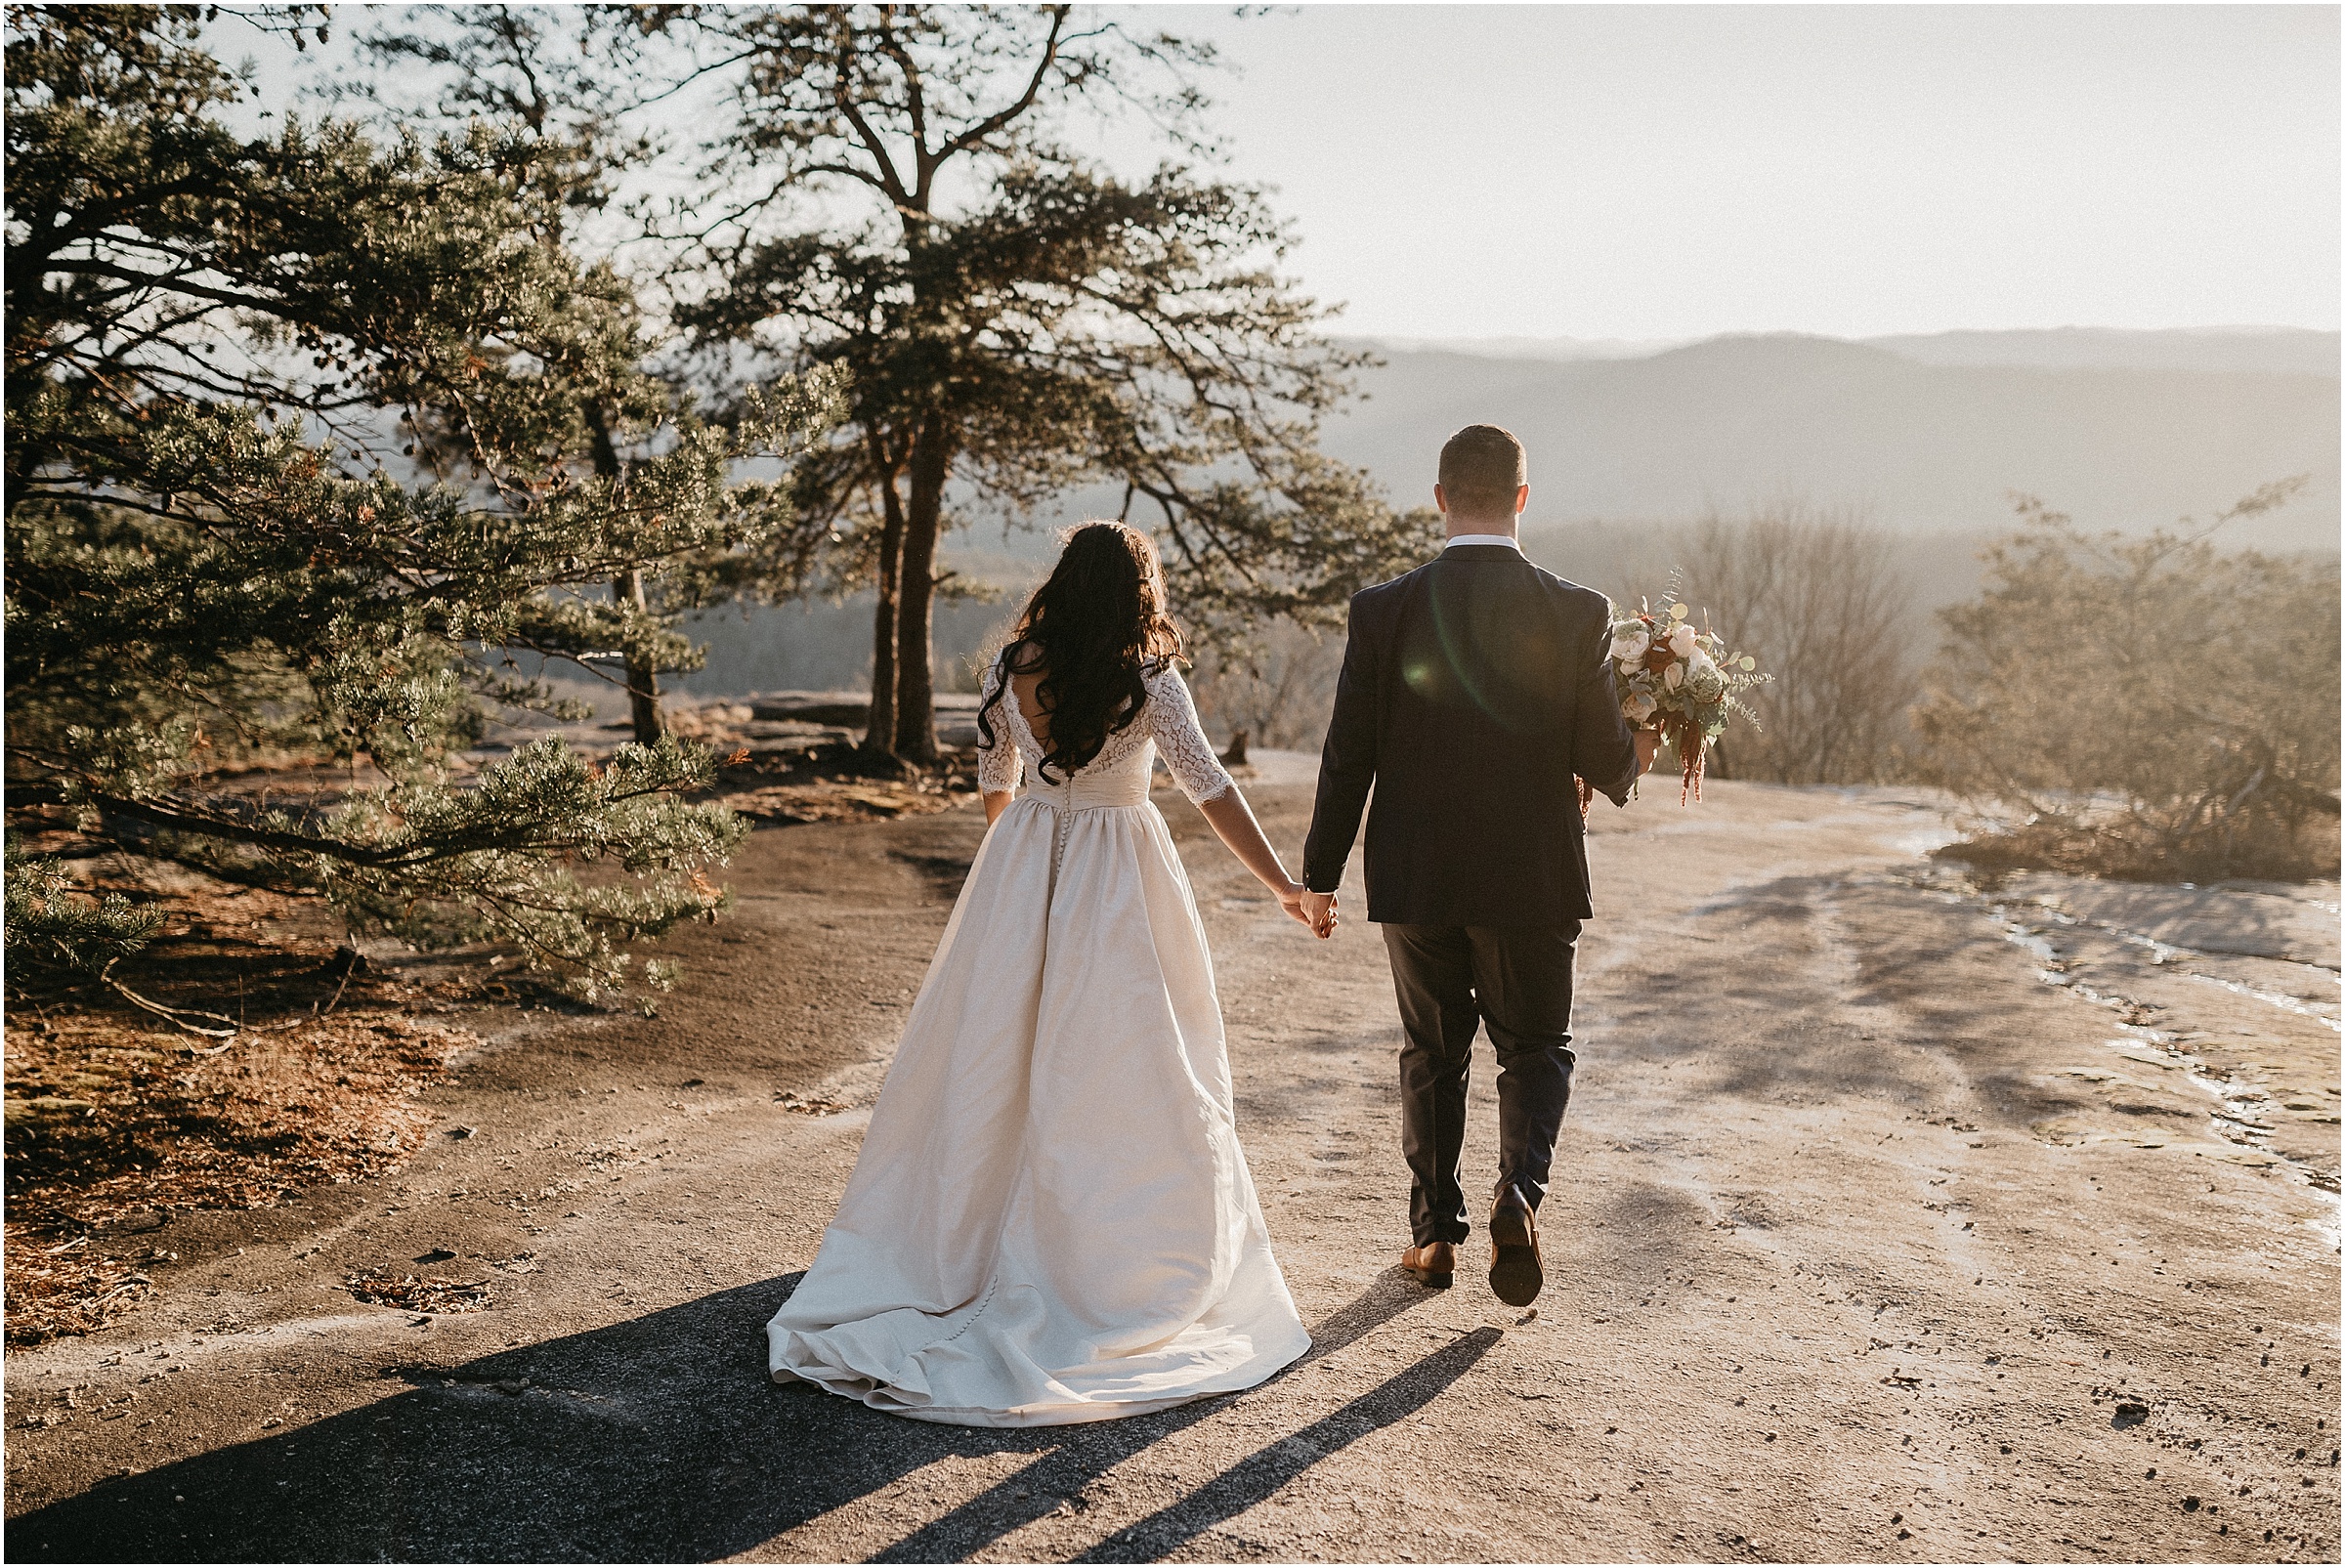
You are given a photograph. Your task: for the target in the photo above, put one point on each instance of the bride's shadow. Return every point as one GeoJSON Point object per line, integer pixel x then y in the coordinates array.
{"type": "Point", "coordinates": [651, 1440]}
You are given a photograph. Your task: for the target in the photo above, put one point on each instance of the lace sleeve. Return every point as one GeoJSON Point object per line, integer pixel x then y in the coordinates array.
{"type": "Point", "coordinates": [998, 764]}
{"type": "Point", "coordinates": [1181, 738]}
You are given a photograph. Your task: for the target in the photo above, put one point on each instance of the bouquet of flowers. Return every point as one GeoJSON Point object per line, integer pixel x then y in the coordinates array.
{"type": "Point", "coordinates": [1680, 680]}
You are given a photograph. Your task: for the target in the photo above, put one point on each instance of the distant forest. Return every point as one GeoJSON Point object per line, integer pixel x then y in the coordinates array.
{"type": "Point", "coordinates": [824, 645]}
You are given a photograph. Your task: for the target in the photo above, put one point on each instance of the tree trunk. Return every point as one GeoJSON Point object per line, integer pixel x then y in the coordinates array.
{"type": "Point", "coordinates": [879, 733]}
{"type": "Point", "coordinates": [643, 681]}
{"type": "Point", "coordinates": [916, 680]}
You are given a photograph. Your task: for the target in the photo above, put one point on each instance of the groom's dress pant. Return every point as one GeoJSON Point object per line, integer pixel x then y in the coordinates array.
{"type": "Point", "coordinates": [1450, 978]}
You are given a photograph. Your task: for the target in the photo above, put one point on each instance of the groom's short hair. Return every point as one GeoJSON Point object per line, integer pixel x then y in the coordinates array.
{"type": "Point", "coordinates": [1481, 468]}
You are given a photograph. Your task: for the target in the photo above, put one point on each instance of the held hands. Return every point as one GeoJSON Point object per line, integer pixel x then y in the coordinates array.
{"type": "Point", "coordinates": [1315, 909]}
{"type": "Point", "coordinates": [1318, 911]}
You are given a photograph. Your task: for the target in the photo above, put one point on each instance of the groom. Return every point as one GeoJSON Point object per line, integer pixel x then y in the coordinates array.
{"type": "Point", "coordinates": [1473, 690]}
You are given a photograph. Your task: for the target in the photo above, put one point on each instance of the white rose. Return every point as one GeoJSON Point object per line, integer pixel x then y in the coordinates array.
{"type": "Point", "coordinates": [1630, 645]}
{"type": "Point", "coordinates": [1684, 642]}
{"type": "Point", "coordinates": [1674, 676]}
{"type": "Point", "coordinates": [1638, 708]}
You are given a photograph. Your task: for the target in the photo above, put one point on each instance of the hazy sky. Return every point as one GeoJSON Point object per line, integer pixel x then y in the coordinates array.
{"type": "Point", "coordinates": [1664, 171]}
{"type": "Point", "coordinates": [1670, 171]}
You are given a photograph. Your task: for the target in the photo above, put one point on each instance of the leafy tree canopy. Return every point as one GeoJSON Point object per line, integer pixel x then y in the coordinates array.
{"type": "Point", "coordinates": [304, 430]}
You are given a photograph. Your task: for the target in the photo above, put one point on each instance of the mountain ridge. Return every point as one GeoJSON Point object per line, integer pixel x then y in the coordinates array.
{"type": "Point", "coordinates": [1745, 419]}
{"type": "Point", "coordinates": [2281, 349]}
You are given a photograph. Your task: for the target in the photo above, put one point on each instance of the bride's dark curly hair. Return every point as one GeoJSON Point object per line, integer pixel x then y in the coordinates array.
{"type": "Point", "coordinates": [1094, 629]}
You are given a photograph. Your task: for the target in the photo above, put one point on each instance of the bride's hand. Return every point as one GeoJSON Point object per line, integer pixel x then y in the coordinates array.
{"type": "Point", "coordinates": [1290, 899]}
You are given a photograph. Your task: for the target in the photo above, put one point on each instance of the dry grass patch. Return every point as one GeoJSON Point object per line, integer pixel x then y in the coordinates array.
{"type": "Point", "coordinates": [111, 1128]}
{"type": "Point", "coordinates": [415, 1292]}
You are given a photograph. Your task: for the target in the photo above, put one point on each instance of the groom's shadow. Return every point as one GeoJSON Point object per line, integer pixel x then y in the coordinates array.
{"type": "Point", "coordinates": [656, 1439]}
{"type": "Point", "coordinates": [1080, 1454]}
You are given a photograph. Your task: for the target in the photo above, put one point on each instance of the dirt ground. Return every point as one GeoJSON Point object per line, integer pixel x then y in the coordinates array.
{"type": "Point", "coordinates": [1896, 1218]}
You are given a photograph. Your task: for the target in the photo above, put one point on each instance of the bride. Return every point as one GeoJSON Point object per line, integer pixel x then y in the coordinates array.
{"type": "Point", "coordinates": [1052, 1221]}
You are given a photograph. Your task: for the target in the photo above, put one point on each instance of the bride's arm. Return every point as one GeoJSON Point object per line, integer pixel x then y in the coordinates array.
{"type": "Point", "coordinates": [1232, 820]}
{"type": "Point", "coordinates": [1190, 757]}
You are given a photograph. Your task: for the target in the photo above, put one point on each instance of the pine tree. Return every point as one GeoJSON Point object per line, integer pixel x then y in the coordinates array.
{"type": "Point", "coordinates": [562, 82]}
{"type": "Point", "coordinates": [305, 433]}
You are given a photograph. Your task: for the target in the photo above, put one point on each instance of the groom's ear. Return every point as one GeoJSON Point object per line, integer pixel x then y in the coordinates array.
{"type": "Point", "coordinates": [1440, 499]}
{"type": "Point", "coordinates": [1522, 498]}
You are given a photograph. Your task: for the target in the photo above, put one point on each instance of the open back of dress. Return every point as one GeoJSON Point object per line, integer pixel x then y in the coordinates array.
{"type": "Point", "coordinates": [1051, 1219]}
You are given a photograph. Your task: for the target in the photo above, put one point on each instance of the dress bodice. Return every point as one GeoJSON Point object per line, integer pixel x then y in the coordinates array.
{"type": "Point", "coordinates": [1122, 781]}
{"type": "Point", "coordinates": [1167, 724]}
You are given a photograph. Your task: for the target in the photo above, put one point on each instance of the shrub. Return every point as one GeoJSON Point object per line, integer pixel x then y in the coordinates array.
{"type": "Point", "coordinates": [2153, 707]}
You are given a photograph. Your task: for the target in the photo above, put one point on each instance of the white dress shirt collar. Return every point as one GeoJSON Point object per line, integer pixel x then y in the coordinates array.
{"type": "Point", "coordinates": [1507, 539]}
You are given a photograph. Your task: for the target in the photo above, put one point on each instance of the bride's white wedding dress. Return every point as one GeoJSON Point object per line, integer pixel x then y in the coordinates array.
{"type": "Point", "coordinates": [1052, 1221]}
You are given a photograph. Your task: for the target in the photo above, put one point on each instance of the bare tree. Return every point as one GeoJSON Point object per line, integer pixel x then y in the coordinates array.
{"type": "Point", "coordinates": [1280, 695]}
{"type": "Point", "coordinates": [1818, 596]}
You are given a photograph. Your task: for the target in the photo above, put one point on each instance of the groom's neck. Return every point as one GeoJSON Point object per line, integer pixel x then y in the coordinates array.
{"type": "Point", "coordinates": [1505, 525]}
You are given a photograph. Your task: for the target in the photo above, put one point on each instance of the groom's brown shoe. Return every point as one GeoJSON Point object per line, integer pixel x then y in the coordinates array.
{"type": "Point", "coordinates": [1515, 1273]}
{"type": "Point", "coordinates": [1435, 1264]}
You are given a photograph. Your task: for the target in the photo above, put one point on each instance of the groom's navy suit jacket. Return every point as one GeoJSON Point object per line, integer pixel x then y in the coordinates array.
{"type": "Point", "coordinates": [1474, 688]}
